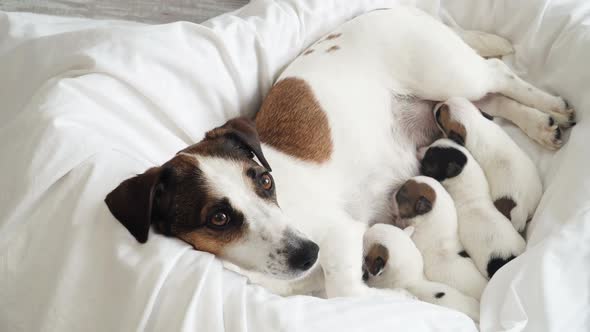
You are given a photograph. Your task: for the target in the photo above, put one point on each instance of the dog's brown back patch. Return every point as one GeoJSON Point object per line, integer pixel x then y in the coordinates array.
{"type": "Point", "coordinates": [505, 206]}
{"type": "Point", "coordinates": [452, 129]}
{"type": "Point", "coordinates": [292, 120]}
{"type": "Point", "coordinates": [376, 258]}
{"type": "Point", "coordinates": [414, 199]}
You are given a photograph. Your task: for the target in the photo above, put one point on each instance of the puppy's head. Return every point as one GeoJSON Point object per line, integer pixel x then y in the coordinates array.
{"type": "Point", "coordinates": [414, 198]}
{"type": "Point", "coordinates": [453, 118]}
{"type": "Point", "coordinates": [214, 196]}
{"type": "Point", "coordinates": [389, 256]}
{"type": "Point", "coordinates": [442, 160]}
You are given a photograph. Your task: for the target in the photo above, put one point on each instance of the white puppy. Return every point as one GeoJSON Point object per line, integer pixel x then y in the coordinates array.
{"type": "Point", "coordinates": [423, 203]}
{"type": "Point", "coordinates": [514, 182]}
{"type": "Point", "coordinates": [393, 261]}
{"type": "Point", "coordinates": [487, 234]}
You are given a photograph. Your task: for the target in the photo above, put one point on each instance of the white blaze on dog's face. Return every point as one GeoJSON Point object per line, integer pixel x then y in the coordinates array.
{"type": "Point", "coordinates": [214, 196]}
{"type": "Point", "coordinates": [267, 244]}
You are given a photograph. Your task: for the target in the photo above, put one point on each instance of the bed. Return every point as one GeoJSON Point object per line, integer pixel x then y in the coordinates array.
{"type": "Point", "coordinates": [88, 103]}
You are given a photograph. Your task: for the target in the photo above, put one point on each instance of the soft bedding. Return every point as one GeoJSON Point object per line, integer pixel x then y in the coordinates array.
{"type": "Point", "coordinates": [86, 104]}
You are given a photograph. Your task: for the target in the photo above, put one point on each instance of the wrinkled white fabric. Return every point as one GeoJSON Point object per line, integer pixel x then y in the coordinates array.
{"type": "Point", "coordinates": [86, 104]}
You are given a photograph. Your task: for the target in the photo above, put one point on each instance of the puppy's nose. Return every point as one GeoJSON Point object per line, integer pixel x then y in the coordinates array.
{"type": "Point", "coordinates": [303, 256]}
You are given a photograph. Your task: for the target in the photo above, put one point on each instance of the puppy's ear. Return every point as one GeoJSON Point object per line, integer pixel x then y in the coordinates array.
{"type": "Point", "coordinates": [423, 205]}
{"type": "Point", "coordinates": [441, 113]}
{"type": "Point", "coordinates": [243, 131]}
{"type": "Point", "coordinates": [131, 202]}
{"type": "Point", "coordinates": [376, 259]}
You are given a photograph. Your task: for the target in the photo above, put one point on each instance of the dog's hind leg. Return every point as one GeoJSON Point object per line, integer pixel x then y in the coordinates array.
{"type": "Point", "coordinates": [539, 126]}
{"type": "Point", "coordinates": [507, 83]}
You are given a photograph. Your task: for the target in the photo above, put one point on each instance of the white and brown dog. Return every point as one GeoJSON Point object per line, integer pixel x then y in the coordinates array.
{"type": "Point", "coordinates": [391, 260]}
{"type": "Point", "coordinates": [426, 206]}
{"type": "Point", "coordinates": [487, 235]}
{"type": "Point", "coordinates": [515, 184]}
{"type": "Point", "coordinates": [340, 128]}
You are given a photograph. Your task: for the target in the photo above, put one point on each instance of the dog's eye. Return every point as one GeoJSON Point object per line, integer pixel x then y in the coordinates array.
{"type": "Point", "coordinates": [266, 181]}
{"type": "Point", "coordinates": [219, 219]}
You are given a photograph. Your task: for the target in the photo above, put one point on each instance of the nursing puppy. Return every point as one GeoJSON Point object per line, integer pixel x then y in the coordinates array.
{"type": "Point", "coordinates": [391, 260]}
{"type": "Point", "coordinates": [514, 182]}
{"type": "Point", "coordinates": [424, 204]}
{"type": "Point", "coordinates": [487, 234]}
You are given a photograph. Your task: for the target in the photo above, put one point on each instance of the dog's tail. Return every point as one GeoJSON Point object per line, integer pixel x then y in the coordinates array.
{"type": "Point", "coordinates": [485, 44]}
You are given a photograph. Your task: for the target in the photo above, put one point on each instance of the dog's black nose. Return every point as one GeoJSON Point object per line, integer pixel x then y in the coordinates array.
{"type": "Point", "coordinates": [303, 255]}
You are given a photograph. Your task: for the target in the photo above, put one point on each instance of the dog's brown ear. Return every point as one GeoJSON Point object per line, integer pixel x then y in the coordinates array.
{"type": "Point", "coordinates": [242, 130]}
{"type": "Point", "coordinates": [131, 202]}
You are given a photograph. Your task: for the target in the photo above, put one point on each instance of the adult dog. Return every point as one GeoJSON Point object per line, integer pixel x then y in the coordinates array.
{"type": "Point", "coordinates": [340, 129]}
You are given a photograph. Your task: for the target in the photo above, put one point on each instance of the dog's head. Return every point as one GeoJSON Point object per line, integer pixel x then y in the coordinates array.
{"type": "Point", "coordinates": [455, 118]}
{"type": "Point", "coordinates": [443, 159]}
{"type": "Point", "coordinates": [214, 196]}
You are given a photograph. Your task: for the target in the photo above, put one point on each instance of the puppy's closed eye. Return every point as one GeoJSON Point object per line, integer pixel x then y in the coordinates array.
{"type": "Point", "coordinates": [457, 138]}
{"type": "Point", "coordinates": [453, 169]}
{"type": "Point", "coordinates": [423, 205]}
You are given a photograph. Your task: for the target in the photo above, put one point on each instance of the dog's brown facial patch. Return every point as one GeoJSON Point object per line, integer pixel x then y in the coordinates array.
{"type": "Point", "coordinates": [262, 183]}
{"type": "Point", "coordinates": [414, 199]}
{"type": "Point", "coordinates": [291, 120]}
{"type": "Point", "coordinates": [185, 207]}
{"type": "Point", "coordinates": [505, 206]}
{"type": "Point", "coordinates": [311, 50]}
{"type": "Point", "coordinates": [333, 49]}
{"type": "Point", "coordinates": [176, 197]}
{"type": "Point", "coordinates": [451, 128]}
{"type": "Point", "coordinates": [376, 258]}
{"type": "Point", "coordinates": [213, 239]}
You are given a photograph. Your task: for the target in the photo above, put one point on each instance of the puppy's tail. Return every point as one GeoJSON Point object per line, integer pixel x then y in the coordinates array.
{"type": "Point", "coordinates": [485, 44]}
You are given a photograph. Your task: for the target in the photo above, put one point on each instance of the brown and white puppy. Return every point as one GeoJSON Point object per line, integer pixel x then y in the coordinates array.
{"type": "Point", "coordinates": [391, 260]}
{"type": "Point", "coordinates": [188, 198]}
{"type": "Point", "coordinates": [340, 128]}
{"type": "Point", "coordinates": [515, 184]}
{"type": "Point", "coordinates": [424, 204]}
{"type": "Point", "coordinates": [487, 235]}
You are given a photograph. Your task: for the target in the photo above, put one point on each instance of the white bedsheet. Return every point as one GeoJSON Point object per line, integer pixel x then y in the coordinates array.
{"type": "Point", "coordinates": [86, 104]}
